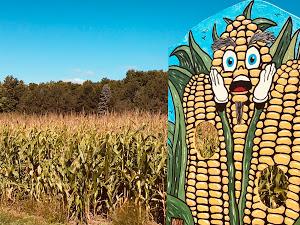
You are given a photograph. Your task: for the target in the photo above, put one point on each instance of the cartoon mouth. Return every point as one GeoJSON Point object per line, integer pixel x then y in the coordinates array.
{"type": "Point", "coordinates": [240, 85]}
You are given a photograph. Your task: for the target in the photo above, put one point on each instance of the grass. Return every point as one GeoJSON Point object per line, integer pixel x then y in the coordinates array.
{"type": "Point", "coordinates": [9, 216]}
{"type": "Point", "coordinates": [33, 213]}
{"type": "Point", "coordinates": [130, 214]}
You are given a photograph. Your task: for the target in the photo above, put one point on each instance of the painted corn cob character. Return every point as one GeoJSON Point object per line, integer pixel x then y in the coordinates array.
{"type": "Point", "coordinates": [247, 171]}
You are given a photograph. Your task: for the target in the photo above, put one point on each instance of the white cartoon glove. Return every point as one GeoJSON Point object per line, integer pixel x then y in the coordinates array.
{"type": "Point", "coordinates": [219, 89]}
{"type": "Point", "coordinates": [262, 89]}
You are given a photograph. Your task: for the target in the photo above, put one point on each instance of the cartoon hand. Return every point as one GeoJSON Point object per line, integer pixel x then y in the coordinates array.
{"type": "Point", "coordinates": [221, 94]}
{"type": "Point", "coordinates": [262, 89]}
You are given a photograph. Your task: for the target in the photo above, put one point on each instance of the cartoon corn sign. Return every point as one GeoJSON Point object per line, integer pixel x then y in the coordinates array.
{"type": "Point", "coordinates": [234, 121]}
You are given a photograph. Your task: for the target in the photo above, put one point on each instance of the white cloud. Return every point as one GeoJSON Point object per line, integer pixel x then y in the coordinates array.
{"type": "Point", "coordinates": [75, 80]}
{"type": "Point", "coordinates": [78, 75]}
{"type": "Point", "coordinates": [81, 72]}
{"type": "Point", "coordinates": [130, 68]}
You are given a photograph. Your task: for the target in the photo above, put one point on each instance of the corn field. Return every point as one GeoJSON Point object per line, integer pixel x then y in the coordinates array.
{"type": "Point", "coordinates": [90, 164]}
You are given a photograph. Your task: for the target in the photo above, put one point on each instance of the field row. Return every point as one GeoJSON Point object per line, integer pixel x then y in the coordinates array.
{"type": "Point", "coordinates": [90, 172]}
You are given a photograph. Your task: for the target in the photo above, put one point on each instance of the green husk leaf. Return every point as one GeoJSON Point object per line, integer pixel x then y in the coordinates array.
{"type": "Point", "coordinates": [298, 53]}
{"type": "Point", "coordinates": [291, 51]}
{"type": "Point", "coordinates": [248, 9]}
{"type": "Point", "coordinates": [297, 221]}
{"type": "Point", "coordinates": [171, 128]}
{"type": "Point", "coordinates": [184, 56]}
{"type": "Point", "coordinates": [171, 170]}
{"type": "Point", "coordinates": [172, 182]}
{"type": "Point", "coordinates": [201, 60]}
{"type": "Point", "coordinates": [264, 23]}
{"type": "Point", "coordinates": [227, 20]}
{"type": "Point", "coordinates": [233, 208]}
{"type": "Point", "coordinates": [282, 42]}
{"type": "Point", "coordinates": [247, 161]}
{"type": "Point", "coordinates": [178, 154]}
{"type": "Point", "coordinates": [215, 35]}
{"type": "Point", "coordinates": [179, 77]}
{"type": "Point", "coordinates": [178, 209]}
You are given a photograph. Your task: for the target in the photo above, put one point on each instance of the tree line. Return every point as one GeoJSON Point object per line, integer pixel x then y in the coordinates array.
{"type": "Point", "coordinates": [146, 91]}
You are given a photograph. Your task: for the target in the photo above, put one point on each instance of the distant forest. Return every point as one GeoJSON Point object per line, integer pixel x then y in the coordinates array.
{"type": "Point", "coordinates": [139, 90]}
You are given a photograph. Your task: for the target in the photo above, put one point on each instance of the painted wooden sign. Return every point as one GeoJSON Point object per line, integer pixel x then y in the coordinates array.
{"type": "Point", "coordinates": [234, 119]}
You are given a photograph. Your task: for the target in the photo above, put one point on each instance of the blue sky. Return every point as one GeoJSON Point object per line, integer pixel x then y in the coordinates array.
{"type": "Point", "coordinates": [79, 40]}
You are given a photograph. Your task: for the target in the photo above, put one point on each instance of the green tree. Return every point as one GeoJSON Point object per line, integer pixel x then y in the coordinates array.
{"type": "Point", "coordinates": [11, 91]}
{"type": "Point", "coordinates": [138, 90]}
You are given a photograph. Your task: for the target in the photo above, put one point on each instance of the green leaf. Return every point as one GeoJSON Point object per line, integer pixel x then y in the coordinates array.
{"type": "Point", "coordinates": [178, 155]}
{"type": "Point", "coordinates": [233, 208]}
{"type": "Point", "coordinates": [290, 53]}
{"type": "Point", "coordinates": [248, 9]}
{"type": "Point", "coordinates": [201, 60]}
{"type": "Point", "coordinates": [179, 77]}
{"type": "Point", "coordinates": [282, 42]}
{"type": "Point", "coordinates": [264, 23]}
{"type": "Point", "coordinates": [247, 161]}
{"type": "Point", "coordinates": [173, 174]}
{"type": "Point", "coordinates": [298, 53]}
{"type": "Point", "coordinates": [227, 20]}
{"type": "Point", "coordinates": [297, 221]}
{"type": "Point", "coordinates": [184, 56]}
{"type": "Point", "coordinates": [179, 210]}
{"type": "Point", "coordinates": [171, 127]}
{"type": "Point", "coordinates": [215, 35]}
{"type": "Point", "coordinates": [171, 170]}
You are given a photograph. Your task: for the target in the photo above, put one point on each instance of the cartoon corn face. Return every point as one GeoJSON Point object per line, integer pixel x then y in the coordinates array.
{"type": "Point", "coordinates": [234, 147]}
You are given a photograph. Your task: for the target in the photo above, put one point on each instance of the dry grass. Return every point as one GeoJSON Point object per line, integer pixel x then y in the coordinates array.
{"type": "Point", "coordinates": [130, 214]}
{"type": "Point", "coordinates": [31, 213]}
{"type": "Point", "coordinates": [12, 215]}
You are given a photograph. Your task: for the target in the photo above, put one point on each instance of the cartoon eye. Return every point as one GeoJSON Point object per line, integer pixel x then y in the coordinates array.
{"type": "Point", "coordinates": [229, 60]}
{"type": "Point", "coordinates": [252, 58]}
